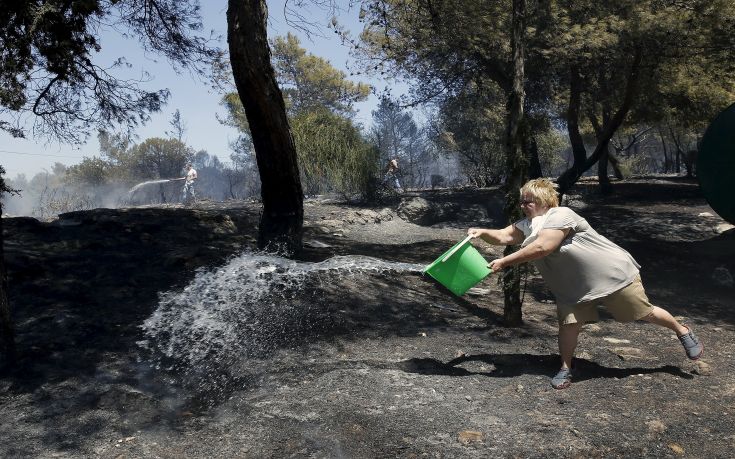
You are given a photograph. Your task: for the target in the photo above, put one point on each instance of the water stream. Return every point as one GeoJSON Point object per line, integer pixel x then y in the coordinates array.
{"type": "Point", "coordinates": [244, 310]}
{"type": "Point", "coordinates": [149, 182]}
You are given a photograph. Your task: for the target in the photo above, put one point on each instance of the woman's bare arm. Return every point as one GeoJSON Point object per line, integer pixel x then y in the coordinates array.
{"type": "Point", "coordinates": [509, 235]}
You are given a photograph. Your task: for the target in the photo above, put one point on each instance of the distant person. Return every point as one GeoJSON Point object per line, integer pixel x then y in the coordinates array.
{"type": "Point", "coordinates": [582, 268]}
{"type": "Point", "coordinates": [188, 194]}
{"type": "Point", "coordinates": [391, 174]}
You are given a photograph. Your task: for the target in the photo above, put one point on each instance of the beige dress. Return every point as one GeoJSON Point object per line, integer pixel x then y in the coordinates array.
{"type": "Point", "coordinates": [586, 266]}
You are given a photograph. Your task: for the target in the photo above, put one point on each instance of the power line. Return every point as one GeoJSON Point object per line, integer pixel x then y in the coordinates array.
{"type": "Point", "coordinates": [39, 154]}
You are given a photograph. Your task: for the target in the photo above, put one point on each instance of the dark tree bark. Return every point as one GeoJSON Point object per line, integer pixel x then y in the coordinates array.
{"type": "Point", "coordinates": [606, 158]}
{"type": "Point", "coordinates": [602, 178]}
{"type": "Point", "coordinates": [281, 224]}
{"type": "Point", "coordinates": [534, 164]}
{"type": "Point", "coordinates": [679, 151]}
{"type": "Point", "coordinates": [579, 152]}
{"type": "Point", "coordinates": [516, 160]}
{"type": "Point", "coordinates": [569, 177]}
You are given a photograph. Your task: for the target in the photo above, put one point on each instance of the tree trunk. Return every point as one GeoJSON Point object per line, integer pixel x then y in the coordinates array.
{"type": "Point", "coordinates": [615, 163]}
{"type": "Point", "coordinates": [517, 163]}
{"type": "Point", "coordinates": [6, 321]}
{"type": "Point", "coordinates": [679, 150]}
{"type": "Point", "coordinates": [690, 160]}
{"type": "Point", "coordinates": [281, 224]}
{"type": "Point", "coordinates": [606, 157]}
{"type": "Point", "coordinates": [579, 152]}
{"type": "Point", "coordinates": [602, 177]}
{"type": "Point", "coordinates": [667, 161]}
{"type": "Point", "coordinates": [571, 175]}
{"type": "Point", "coordinates": [534, 164]}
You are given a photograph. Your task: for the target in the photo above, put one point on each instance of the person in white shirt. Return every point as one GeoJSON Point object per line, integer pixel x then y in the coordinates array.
{"type": "Point", "coordinates": [391, 174]}
{"type": "Point", "coordinates": [188, 194]}
{"type": "Point", "coordinates": [582, 268]}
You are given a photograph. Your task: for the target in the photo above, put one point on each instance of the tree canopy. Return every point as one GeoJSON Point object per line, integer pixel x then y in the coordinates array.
{"type": "Point", "coordinates": [319, 100]}
{"type": "Point", "coordinates": [310, 82]}
{"type": "Point", "coordinates": [51, 83]}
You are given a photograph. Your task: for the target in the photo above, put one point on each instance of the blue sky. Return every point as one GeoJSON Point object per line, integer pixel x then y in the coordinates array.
{"type": "Point", "coordinates": [198, 104]}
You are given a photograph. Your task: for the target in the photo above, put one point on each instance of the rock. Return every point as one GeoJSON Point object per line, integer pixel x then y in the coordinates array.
{"type": "Point", "coordinates": [467, 437]}
{"type": "Point", "coordinates": [584, 355]}
{"type": "Point", "coordinates": [421, 211]}
{"type": "Point", "coordinates": [722, 277]}
{"type": "Point", "coordinates": [616, 340]}
{"type": "Point", "coordinates": [592, 328]}
{"type": "Point", "coordinates": [656, 426]}
{"type": "Point", "coordinates": [316, 244]}
{"type": "Point", "coordinates": [705, 214]}
{"type": "Point", "coordinates": [627, 353]}
{"type": "Point", "coordinates": [702, 368]}
{"type": "Point", "coordinates": [677, 449]}
{"type": "Point", "coordinates": [416, 210]}
{"type": "Point", "coordinates": [722, 227]}
{"type": "Point", "coordinates": [384, 215]}
{"type": "Point", "coordinates": [331, 223]}
{"type": "Point", "coordinates": [472, 213]}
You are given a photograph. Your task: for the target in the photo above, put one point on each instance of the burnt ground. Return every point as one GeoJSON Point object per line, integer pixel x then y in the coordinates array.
{"type": "Point", "coordinates": [384, 364]}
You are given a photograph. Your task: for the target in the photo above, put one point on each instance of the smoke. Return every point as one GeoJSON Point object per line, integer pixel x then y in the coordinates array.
{"type": "Point", "coordinates": [47, 202]}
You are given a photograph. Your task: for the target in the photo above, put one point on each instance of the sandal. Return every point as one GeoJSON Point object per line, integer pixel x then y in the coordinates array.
{"type": "Point", "coordinates": [563, 379]}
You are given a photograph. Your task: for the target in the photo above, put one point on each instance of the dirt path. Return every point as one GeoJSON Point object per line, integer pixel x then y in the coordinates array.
{"type": "Point", "coordinates": [377, 364]}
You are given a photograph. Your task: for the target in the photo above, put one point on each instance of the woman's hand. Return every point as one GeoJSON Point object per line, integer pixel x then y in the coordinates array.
{"type": "Point", "coordinates": [497, 265]}
{"type": "Point", "coordinates": [475, 232]}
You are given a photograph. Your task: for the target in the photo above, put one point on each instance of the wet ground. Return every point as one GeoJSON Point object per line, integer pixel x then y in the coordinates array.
{"type": "Point", "coordinates": [380, 363]}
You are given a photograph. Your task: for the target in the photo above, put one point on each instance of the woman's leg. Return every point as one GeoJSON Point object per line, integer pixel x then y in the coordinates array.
{"type": "Point", "coordinates": [662, 317]}
{"type": "Point", "coordinates": [568, 335]}
{"type": "Point", "coordinates": [692, 346]}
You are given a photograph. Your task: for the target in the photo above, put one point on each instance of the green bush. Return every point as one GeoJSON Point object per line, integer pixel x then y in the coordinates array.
{"type": "Point", "coordinates": [333, 155]}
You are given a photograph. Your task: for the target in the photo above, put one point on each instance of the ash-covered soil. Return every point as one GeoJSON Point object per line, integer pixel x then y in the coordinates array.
{"type": "Point", "coordinates": [358, 363]}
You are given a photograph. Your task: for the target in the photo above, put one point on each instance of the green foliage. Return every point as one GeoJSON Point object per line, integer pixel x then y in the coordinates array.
{"type": "Point", "coordinates": [451, 48]}
{"type": "Point", "coordinates": [396, 135]}
{"type": "Point", "coordinates": [333, 156]}
{"type": "Point", "coordinates": [90, 172]}
{"type": "Point", "coordinates": [550, 143]}
{"type": "Point", "coordinates": [4, 188]}
{"type": "Point", "coordinates": [471, 126]}
{"type": "Point", "coordinates": [310, 82]}
{"type": "Point", "coordinates": [236, 116]}
{"type": "Point", "coordinates": [686, 70]}
{"type": "Point", "coordinates": [159, 158]}
{"type": "Point", "coordinates": [125, 163]}
{"type": "Point", "coordinates": [442, 45]}
{"type": "Point", "coordinates": [48, 69]}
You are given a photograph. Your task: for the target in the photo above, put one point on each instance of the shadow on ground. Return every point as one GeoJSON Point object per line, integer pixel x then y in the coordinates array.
{"type": "Point", "coordinates": [513, 365]}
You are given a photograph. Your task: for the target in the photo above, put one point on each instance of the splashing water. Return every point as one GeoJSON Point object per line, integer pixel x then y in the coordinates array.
{"type": "Point", "coordinates": [150, 182]}
{"type": "Point", "coordinates": [245, 310]}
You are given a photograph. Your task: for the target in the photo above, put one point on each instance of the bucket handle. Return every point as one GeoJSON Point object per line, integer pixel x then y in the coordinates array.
{"type": "Point", "coordinates": [457, 247]}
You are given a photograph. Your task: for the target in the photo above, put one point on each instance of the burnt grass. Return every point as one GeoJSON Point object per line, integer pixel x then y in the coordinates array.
{"type": "Point", "coordinates": [380, 364]}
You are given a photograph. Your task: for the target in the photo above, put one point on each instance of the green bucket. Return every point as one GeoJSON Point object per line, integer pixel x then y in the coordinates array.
{"type": "Point", "coordinates": [459, 268]}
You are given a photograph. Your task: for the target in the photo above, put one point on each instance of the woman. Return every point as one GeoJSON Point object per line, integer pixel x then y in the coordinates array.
{"type": "Point", "coordinates": [582, 268]}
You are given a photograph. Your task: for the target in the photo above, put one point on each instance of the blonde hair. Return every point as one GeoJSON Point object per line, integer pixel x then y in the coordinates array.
{"type": "Point", "coordinates": [543, 191]}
